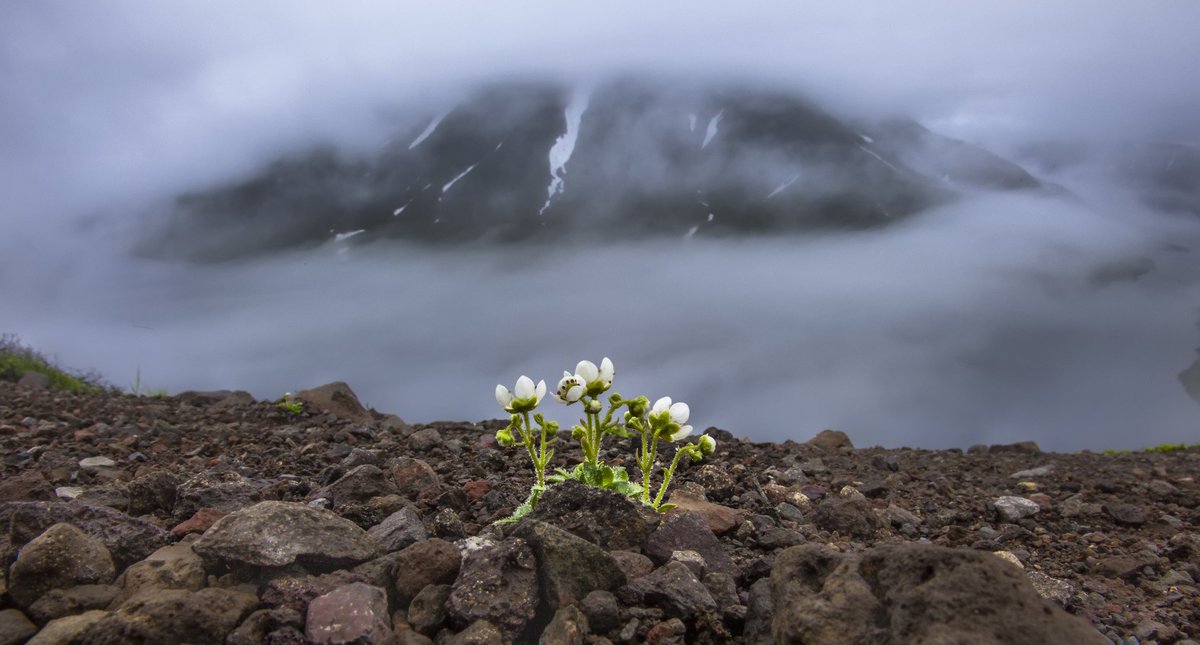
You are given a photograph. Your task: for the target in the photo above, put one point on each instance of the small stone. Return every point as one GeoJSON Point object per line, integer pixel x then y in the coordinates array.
{"type": "Point", "coordinates": [276, 534]}
{"type": "Point", "coordinates": [1126, 514]}
{"type": "Point", "coordinates": [424, 440]}
{"type": "Point", "coordinates": [432, 561]}
{"type": "Point", "coordinates": [1010, 508]}
{"type": "Point", "coordinates": [499, 585]}
{"type": "Point", "coordinates": [480, 632]}
{"type": "Point", "coordinates": [68, 492]}
{"type": "Point", "coordinates": [690, 559]}
{"type": "Point", "coordinates": [65, 629]}
{"type": "Point", "coordinates": [1027, 487]}
{"type": "Point", "coordinates": [667, 632]}
{"type": "Point", "coordinates": [1033, 473]}
{"type": "Point", "coordinates": [26, 485]}
{"type": "Point", "coordinates": [602, 611]}
{"type": "Point", "coordinates": [399, 530]}
{"type": "Point", "coordinates": [673, 588]}
{"type": "Point", "coordinates": [413, 476]}
{"type": "Point", "coordinates": [831, 440]}
{"type": "Point", "coordinates": [427, 611]}
{"type": "Point", "coordinates": [847, 515]}
{"type": "Point", "coordinates": [96, 462]}
{"type": "Point", "coordinates": [337, 399]}
{"type": "Point", "coordinates": [688, 531]}
{"type": "Point", "coordinates": [568, 627]}
{"type": "Point", "coordinates": [354, 613]}
{"type": "Point", "coordinates": [1010, 557]}
{"type": "Point", "coordinates": [198, 523]}
{"type": "Point", "coordinates": [634, 565]}
{"type": "Point", "coordinates": [61, 557]}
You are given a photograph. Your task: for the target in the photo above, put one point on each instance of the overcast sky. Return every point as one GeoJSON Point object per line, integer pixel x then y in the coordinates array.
{"type": "Point", "coordinates": [108, 100]}
{"type": "Point", "coordinates": [975, 323]}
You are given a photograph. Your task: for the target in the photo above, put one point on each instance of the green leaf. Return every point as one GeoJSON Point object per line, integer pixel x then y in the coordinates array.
{"type": "Point", "coordinates": [665, 507]}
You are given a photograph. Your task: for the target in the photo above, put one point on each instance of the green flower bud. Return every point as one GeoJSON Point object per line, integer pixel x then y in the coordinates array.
{"type": "Point", "coordinates": [593, 406]}
{"type": "Point", "coordinates": [707, 444]}
{"type": "Point", "coordinates": [505, 438]}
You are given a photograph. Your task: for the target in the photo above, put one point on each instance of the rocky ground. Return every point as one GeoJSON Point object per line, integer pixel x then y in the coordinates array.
{"type": "Point", "coordinates": [211, 517]}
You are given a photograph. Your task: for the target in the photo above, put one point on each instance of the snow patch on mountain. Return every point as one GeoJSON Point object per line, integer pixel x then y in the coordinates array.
{"type": "Point", "coordinates": [781, 187]}
{"type": "Point", "coordinates": [564, 146]}
{"type": "Point", "coordinates": [711, 132]}
{"type": "Point", "coordinates": [881, 159]}
{"type": "Point", "coordinates": [460, 176]}
{"type": "Point", "coordinates": [427, 131]}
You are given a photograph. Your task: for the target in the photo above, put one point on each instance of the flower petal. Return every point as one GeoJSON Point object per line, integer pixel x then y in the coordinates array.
{"type": "Point", "coordinates": [575, 393]}
{"type": "Point", "coordinates": [661, 405]}
{"type": "Point", "coordinates": [587, 371]}
{"type": "Point", "coordinates": [524, 389]}
{"type": "Point", "coordinates": [503, 396]}
{"type": "Point", "coordinates": [606, 370]}
{"type": "Point", "coordinates": [682, 433]}
{"type": "Point", "coordinates": [680, 412]}
{"type": "Point", "coordinates": [540, 390]}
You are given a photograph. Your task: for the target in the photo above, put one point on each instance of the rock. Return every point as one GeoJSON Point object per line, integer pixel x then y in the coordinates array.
{"type": "Point", "coordinates": [68, 492]}
{"type": "Point", "coordinates": [1128, 567]}
{"type": "Point", "coordinates": [717, 483]}
{"type": "Point", "coordinates": [497, 584]}
{"type": "Point", "coordinates": [673, 588]}
{"type": "Point", "coordinates": [427, 611]}
{"type": "Point", "coordinates": [720, 519]}
{"type": "Point", "coordinates": [96, 462]}
{"type": "Point", "coordinates": [225, 491]}
{"type": "Point", "coordinates": [399, 530]}
{"type": "Point", "coordinates": [480, 632]}
{"type": "Point", "coordinates": [173, 616]}
{"type": "Point", "coordinates": [198, 523]}
{"type": "Point", "coordinates": [424, 440]}
{"type": "Point", "coordinates": [354, 613]}
{"type": "Point", "coordinates": [1033, 473]}
{"type": "Point", "coordinates": [113, 497]}
{"type": "Point", "coordinates": [212, 397]}
{"type": "Point", "coordinates": [28, 485]}
{"type": "Point", "coordinates": [1021, 448]}
{"type": "Point", "coordinates": [66, 629]}
{"type": "Point", "coordinates": [688, 531]}
{"type": "Point", "coordinates": [604, 518]}
{"type": "Point", "coordinates": [602, 611]}
{"type": "Point", "coordinates": [668, 632]}
{"type": "Point", "coordinates": [912, 593]}
{"type": "Point", "coordinates": [152, 492]}
{"type": "Point", "coordinates": [1126, 514]}
{"type": "Point", "coordinates": [57, 603]}
{"type": "Point", "coordinates": [258, 626]}
{"type": "Point", "coordinates": [898, 517]}
{"type": "Point", "coordinates": [690, 559]}
{"type": "Point", "coordinates": [276, 534]}
{"type": "Point", "coordinates": [296, 591]}
{"type": "Point", "coordinates": [634, 565]}
{"type": "Point", "coordinates": [1054, 589]}
{"type": "Point", "coordinates": [1010, 508]}
{"type": "Point", "coordinates": [61, 557]}
{"type": "Point", "coordinates": [413, 476]}
{"type": "Point", "coordinates": [337, 399]}
{"type": "Point", "coordinates": [358, 486]}
{"type": "Point", "coordinates": [172, 567]}
{"type": "Point", "coordinates": [568, 566]}
{"type": "Point", "coordinates": [568, 627]}
{"type": "Point", "coordinates": [15, 628]}
{"type": "Point", "coordinates": [846, 514]}
{"type": "Point", "coordinates": [432, 561]}
{"type": "Point", "coordinates": [779, 538]}
{"type": "Point", "coordinates": [831, 440]}
{"type": "Point", "coordinates": [127, 539]}
{"type": "Point", "coordinates": [35, 381]}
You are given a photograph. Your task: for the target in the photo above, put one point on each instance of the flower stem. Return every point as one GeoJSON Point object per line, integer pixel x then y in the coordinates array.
{"type": "Point", "coordinates": [667, 479]}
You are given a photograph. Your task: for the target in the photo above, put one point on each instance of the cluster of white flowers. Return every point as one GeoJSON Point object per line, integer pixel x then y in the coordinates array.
{"type": "Point", "coordinates": [665, 420]}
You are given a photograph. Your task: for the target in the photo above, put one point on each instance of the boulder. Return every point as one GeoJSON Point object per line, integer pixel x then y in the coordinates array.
{"type": "Point", "coordinates": [568, 566]}
{"type": "Point", "coordinates": [912, 593]}
{"type": "Point", "coordinates": [63, 556]}
{"type": "Point", "coordinates": [276, 534]}
{"type": "Point", "coordinates": [172, 567]}
{"type": "Point", "coordinates": [337, 399]}
{"type": "Point", "coordinates": [835, 440]}
{"type": "Point", "coordinates": [173, 616]}
{"type": "Point", "coordinates": [66, 629]}
{"type": "Point", "coordinates": [604, 518]}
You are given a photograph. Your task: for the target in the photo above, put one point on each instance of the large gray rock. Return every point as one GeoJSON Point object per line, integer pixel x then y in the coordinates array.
{"type": "Point", "coordinates": [128, 539]}
{"type": "Point", "coordinates": [912, 593]}
{"type": "Point", "coordinates": [609, 520]}
{"type": "Point", "coordinates": [61, 557]}
{"type": "Point", "coordinates": [337, 399]}
{"type": "Point", "coordinates": [497, 584]}
{"type": "Point", "coordinates": [569, 567]}
{"type": "Point", "coordinates": [355, 613]}
{"type": "Point", "coordinates": [226, 491]}
{"type": "Point", "coordinates": [276, 534]}
{"type": "Point", "coordinates": [172, 616]}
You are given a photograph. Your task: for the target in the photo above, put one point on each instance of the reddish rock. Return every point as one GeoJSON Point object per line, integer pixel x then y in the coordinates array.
{"type": "Point", "coordinates": [198, 523]}
{"type": "Point", "coordinates": [720, 519]}
{"type": "Point", "coordinates": [477, 489]}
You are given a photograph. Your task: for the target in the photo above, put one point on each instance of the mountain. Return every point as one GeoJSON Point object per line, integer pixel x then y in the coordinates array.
{"type": "Point", "coordinates": [531, 161]}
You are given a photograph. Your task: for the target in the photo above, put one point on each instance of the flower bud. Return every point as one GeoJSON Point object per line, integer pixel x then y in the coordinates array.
{"type": "Point", "coordinates": [505, 438]}
{"type": "Point", "coordinates": [707, 444]}
{"type": "Point", "coordinates": [593, 406]}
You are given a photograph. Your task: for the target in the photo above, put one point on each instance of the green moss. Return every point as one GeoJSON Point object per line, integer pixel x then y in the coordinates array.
{"type": "Point", "coordinates": [16, 359]}
{"type": "Point", "coordinates": [1164, 448]}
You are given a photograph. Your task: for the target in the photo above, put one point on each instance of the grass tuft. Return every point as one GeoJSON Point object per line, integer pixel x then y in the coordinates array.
{"type": "Point", "coordinates": [16, 359]}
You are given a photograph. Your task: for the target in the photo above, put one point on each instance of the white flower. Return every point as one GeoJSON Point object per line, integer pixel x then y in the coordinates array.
{"type": "Point", "coordinates": [682, 433]}
{"type": "Point", "coordinates": [678, 412]}
{"type": "Point", "coordinates": [596, 380]}
{"type": "Point", "coordinates": [526, 396]}
{"type": "Point", "coordinates": [570, 388]}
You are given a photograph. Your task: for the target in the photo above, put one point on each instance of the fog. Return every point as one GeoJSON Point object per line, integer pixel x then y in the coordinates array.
{"type": "Point", "coordinates": [981, 321]}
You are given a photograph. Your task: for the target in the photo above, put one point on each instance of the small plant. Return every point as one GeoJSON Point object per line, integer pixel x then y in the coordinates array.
{"type": "Point", "coordinates": [16, 359]}
{"type": "Point", "coordinates": [586, 386]}
{"type": "Point", "coordinates": [137, 389]}
{"type": "Point", "coordinates": [294, 406]}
